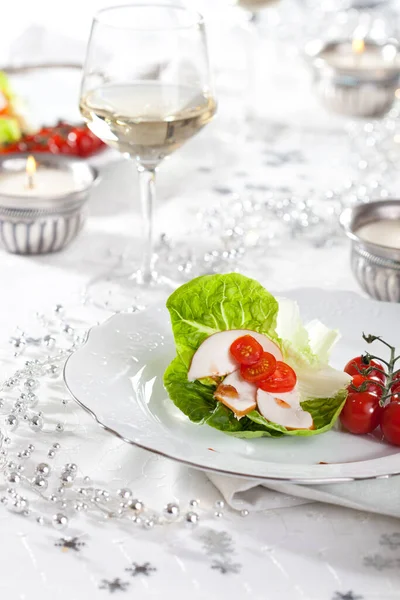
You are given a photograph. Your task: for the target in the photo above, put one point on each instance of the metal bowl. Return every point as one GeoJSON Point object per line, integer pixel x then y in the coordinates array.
{"type": "Point", "coordinates": [376, 267]}
{"type": "Point", "coordinates": [37, 225]}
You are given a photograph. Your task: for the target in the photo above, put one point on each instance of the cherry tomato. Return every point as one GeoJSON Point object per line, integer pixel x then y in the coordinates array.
{"type": "Point", "coordinates": [390, 423]}
{"type": "Point", "coordinates": [283, 379]}
{"type": "Point", "coordinates": [246, 350]}
{"type": "Point", "coordinates": [259, 370]}
{"type": "Point", "coordinates": [355, 365]}
{"type": "Point", "coordinates": [371, 385]}
{"type": "Point", "coordinates": [361, 413]}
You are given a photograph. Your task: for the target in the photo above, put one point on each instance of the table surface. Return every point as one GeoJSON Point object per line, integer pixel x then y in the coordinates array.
{"type": "Point", "coordinates": [307, 552]}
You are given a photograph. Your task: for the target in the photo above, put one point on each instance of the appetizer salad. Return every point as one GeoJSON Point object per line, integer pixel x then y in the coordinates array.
{"type": "Point", "coordinates": [247, 365]}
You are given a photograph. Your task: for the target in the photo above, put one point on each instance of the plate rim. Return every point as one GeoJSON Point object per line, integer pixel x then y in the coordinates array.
{"type": "Point", "coordinates": [260, 478]}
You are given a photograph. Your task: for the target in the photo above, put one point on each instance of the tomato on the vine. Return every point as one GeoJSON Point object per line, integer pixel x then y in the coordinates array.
{"type": "Point", "coordinates": [283, 379]}
{"type": "Point", "coordinates": [259, 370]}
{"type": "Point", "coordinates": [246, 350]}
{"type": "Point", "coordinates": [390, 423]}
{"type": "Point", "coordinates": [360, 363]}
{"type": "Point", "coordinates": [372, 386]}
{"type": "Point", "coordinates": [361, 412]}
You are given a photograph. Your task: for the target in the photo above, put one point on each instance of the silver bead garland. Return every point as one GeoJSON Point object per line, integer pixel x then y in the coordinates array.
{"type": "Point", "coordinates": [66, 492]}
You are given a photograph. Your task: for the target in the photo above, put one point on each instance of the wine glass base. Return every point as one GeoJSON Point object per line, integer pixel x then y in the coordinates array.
{"type": "Point", "coordinates": [127, 292]}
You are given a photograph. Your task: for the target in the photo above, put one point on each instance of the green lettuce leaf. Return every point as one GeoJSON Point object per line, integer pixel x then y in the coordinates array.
{"type": "Point", "coordinates": [214, 303]}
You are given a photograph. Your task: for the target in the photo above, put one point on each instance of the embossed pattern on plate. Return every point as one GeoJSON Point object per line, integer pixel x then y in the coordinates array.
{"type": "Point", "coordinates": [117, 377]}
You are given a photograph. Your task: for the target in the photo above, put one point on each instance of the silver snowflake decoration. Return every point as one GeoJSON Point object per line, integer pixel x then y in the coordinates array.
{"type": "Point", "coordinates": [391, 540]}
{"type": "Point", "coordinates": [347, 596]}
{"type": "Point", "coordinates": [217, 542]}
{"type": "Point", "coordinates": [144, 569]}
{"type": "Point", "coordinates": [380, 563]}
{"type": "Point", "coordinates": [114, 585]}
{"type": "Point", "coordinates": [226, 566]}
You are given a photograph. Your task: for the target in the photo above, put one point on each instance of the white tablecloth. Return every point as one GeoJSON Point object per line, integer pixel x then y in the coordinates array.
{"type": "Point", "coordinates": [309, 551]}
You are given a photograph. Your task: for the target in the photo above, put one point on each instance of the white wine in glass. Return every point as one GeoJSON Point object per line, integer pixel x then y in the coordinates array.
{"type": "Point", "coordinates": [146, 90]}
{"type": "Point", "coordinates": [148, 121]}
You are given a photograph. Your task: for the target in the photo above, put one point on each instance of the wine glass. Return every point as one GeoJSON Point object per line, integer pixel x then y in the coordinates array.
{"type": "Point", "coordinates": [146, 90]}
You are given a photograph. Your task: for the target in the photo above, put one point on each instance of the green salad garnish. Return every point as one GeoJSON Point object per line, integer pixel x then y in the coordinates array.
{"type": "Point", "coordinates": [214, 303]}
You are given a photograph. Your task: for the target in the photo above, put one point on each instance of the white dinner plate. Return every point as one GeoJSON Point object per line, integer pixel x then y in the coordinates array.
{"type": "Point", "coordinates": [117, 376]}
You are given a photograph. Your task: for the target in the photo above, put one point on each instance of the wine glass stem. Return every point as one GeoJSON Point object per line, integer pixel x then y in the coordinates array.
{"type": "Point", "coordinates": [147, 179]}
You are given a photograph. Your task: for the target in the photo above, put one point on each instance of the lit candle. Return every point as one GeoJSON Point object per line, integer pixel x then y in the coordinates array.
{"type": "Point", "coordinates": [361, 55]}
{"type": "Point", "coordinates": [39, 181]}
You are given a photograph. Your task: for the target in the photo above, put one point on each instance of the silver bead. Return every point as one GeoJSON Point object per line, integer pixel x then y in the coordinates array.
{"type": "Point", "coordinates": [1, 403]}
{"type": "Point", "coordinates": [79, 506]}
{"type": "Point", "coordinates": [31, 448]}
{"type": "Point", "coordinates": [61, 491]}
{"type": "Point", "coordinates": [192, 518]}
{"type": "Point", "coordinates": [43, 469]}
{"type": "Point", "coordinates": [67, 478]}
{"type": "Point", "coordinates": [18, 343]}
{"type": "Point", "coordinates": [63, 504]}
{"type": "Point", "coordinates": [48, 340]}
{"type": "Point", "coordinates": [11, 465]}
{"type": "Point", "coordinates": [59, 427]}
{"type": "Point", "coordinates": [13, 477]}
{"type": "Point", "coordinates": [11, 491]}
{"type": "Point", "coordinates": [19, 505]}
{"type": "Point", "coordinates": [195, 503]}
{"type": "Point", "coordinates": [53, 498]}
{"type": "Point", "coordinates": [40, 482]}
{"type": "Point", "coordinates": [12, 422]}
{"type": "Point", "coordinates": [124, 493]}
{"type": "Point", "coordinates": [51, 453]}
{"type": "Point", "coordinates": [7, 441]}
{"type": "Point", "coordinates": [219, 504]}
{"type": "Point", "coordinates": [87, 479]}
{"type": "Point", "coordinates": [148, 524]}
{"type": "Point", "coordinates": [36, 423]}
{"type": "Point", "coordinates": [71, 467]}
{"type": "Point", "coordinates": [25, 454]}
{"type": "Point", "coordinates": [244, 512]}
{"type": "Point", "coordinates": [59, 309]}
{"type": "Point", "coordinates": [19, 407]}
{"type": "Point", "coordinates": [56, 446]}
{"type": "Point", "coordinates": [59, 521]}
{"type": "Point", "coordinates": [53, 371]}
{"type": "Point", "coordinates": [172, 510]}
{"type": "Point", "coordinates": [137, 505]}
{"type": "Point", "coordinates": [137, 520]}
{"type": "Point", "coordinates": [40, 520]}
{"type": "Point", "coordinates": [3, 500]}
{"type": "Point", "coordinates": [31, 384]}
{"type": "Point", "coordinates": [68, 329]}
{"type": "Point", "coordinates": [218, 515]}
{"type": "Point", "coordinates": [29, 398]}
{"type": "Point", "coordinates": [20, 468]}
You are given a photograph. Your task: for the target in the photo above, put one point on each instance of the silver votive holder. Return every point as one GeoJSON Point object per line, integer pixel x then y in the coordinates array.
{"type": "Point", "coordinates": [376, 267]}
{"type": "Point", "coordinates": [43, 223]}
{"type": "Point", "coordinates": [350, 90]}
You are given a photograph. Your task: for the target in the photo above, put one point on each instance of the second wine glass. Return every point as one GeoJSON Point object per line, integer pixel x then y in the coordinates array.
{"type": "Point", "coordinates": [146, 90]}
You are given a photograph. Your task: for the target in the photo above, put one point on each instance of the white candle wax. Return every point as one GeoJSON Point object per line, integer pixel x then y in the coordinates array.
{"type": "Point", "coordinates": [47, 183]}
{"type": "Point", "coordinates": [384, 233]}
{"type": "Point", "coordinates": [372, 58]}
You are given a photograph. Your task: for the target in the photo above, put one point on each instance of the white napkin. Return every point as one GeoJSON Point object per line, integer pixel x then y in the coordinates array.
{"type": "Point", "coordinates": [375, 495]}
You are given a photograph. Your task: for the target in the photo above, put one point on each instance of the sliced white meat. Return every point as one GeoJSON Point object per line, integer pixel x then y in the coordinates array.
{"type": "Point", "coordinates": [213, 357]}
{"type": "Point", "coordinates": [284, 409]}
{"type": "Point", "coordinates": [237, 394]}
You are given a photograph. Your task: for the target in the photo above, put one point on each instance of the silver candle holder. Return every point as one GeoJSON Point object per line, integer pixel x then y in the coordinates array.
{"type": "Point", "coordinates": [49, 216]}
{"type": "Point", "coordinates": [357, 78]}
{"type": "Point", "coordinates": [375, 266]}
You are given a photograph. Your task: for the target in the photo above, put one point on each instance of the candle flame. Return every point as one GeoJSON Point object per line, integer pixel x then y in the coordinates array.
{"type": "Point", "coordinates": [358, 46]}
{"type": "Point", "coordinates": [30, 171]}
{"type": "Point", "coordinates": [30, 165]}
